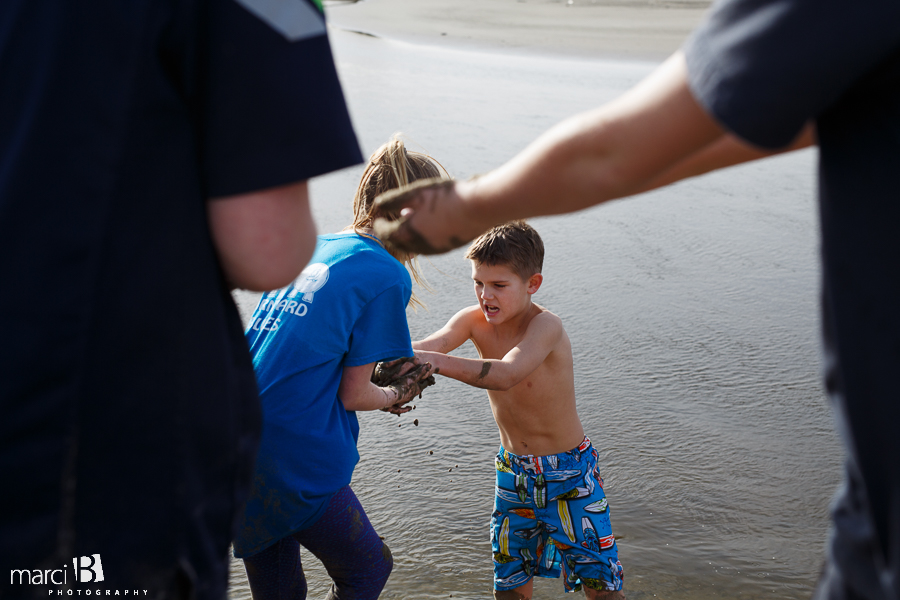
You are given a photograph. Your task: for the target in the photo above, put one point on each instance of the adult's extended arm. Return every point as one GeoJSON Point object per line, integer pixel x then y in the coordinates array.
{"type": "Point", "coordinates": [263, 238]}
{"type": "Point", "coordinates": [622, 148]}
{"type": "Point", "coordinates": [728, 150]}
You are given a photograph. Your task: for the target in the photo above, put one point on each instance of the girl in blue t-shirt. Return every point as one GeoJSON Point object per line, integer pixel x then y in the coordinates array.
{"type": "Point", "coordinates": [314, 346]}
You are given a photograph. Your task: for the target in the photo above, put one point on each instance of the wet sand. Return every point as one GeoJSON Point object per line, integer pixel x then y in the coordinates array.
{"type": "Point", "coordinates": [620, 29]}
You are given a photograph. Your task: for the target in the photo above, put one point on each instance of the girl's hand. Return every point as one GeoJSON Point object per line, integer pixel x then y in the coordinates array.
{"type": "Point", "coordinates": [386, 371]}
{"type": "Point", "coordinates": [403, 379]}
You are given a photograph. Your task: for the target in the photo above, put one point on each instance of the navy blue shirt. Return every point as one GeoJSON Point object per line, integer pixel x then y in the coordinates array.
{"type": "Point", "coordinates": [128, 410]}
{"type": "Point", "coordinates": [763, 68]}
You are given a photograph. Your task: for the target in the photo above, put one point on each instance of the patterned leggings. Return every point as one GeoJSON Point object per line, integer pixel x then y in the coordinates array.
{"type": "Point", "coordinates": [356, 559]}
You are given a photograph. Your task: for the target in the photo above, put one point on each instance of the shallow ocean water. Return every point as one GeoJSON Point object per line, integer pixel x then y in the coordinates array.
{"type": "Point", "coordinates": [693, 315]}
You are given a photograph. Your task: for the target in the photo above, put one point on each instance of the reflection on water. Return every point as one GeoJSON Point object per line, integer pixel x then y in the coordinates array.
{"type": "Point", "coordinates": [693, 317]}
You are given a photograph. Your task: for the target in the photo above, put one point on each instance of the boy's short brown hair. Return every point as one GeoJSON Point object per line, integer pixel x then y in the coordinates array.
{"type": "Point", "coordinates": [515, 244]}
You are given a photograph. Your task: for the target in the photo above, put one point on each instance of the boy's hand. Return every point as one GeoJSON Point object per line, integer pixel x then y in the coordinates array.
{"type": "Point", "coordinates": [407, 377]}
{"type": "Point", "coordinates": [431, 219]}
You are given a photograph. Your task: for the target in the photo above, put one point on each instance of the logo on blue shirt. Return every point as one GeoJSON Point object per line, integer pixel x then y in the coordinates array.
{"type": "Point", "coordinates": [310, 281]}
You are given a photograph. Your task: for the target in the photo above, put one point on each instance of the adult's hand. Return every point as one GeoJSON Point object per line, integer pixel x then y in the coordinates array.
{"type": "Point", "coordinates": [446, 224]}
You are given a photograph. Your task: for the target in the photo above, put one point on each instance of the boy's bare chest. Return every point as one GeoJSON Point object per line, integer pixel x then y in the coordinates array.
{"type": "Point", "coordinates": [490, 345]}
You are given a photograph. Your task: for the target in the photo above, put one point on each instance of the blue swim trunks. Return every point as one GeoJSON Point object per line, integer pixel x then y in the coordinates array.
{"type": "Point", "coordinates": [550, 518]}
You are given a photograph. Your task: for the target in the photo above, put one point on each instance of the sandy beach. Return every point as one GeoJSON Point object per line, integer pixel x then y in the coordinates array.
{"type": "Point", "coordinates": [621, 29]}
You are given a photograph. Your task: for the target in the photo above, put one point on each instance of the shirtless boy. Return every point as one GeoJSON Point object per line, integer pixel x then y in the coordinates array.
{"type": "Point", "coordinates": [550, 512]}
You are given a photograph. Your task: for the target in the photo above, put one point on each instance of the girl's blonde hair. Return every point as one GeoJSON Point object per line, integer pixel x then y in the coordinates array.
{"type": "Point", "coordinates": [390, 167]}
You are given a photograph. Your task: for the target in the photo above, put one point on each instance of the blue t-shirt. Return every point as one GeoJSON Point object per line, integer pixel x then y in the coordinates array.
{"type": "Point", "coordinates": [347, 308]}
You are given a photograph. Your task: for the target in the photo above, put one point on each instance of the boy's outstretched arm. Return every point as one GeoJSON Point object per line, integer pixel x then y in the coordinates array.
{"type": "Point", "coordinates": [541, 337]}
{"type": "Point", "coordinates": [452, 335]}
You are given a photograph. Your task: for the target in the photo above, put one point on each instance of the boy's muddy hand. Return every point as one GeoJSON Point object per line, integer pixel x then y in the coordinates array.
{"type": "Point", "coordinates": [431, 217]}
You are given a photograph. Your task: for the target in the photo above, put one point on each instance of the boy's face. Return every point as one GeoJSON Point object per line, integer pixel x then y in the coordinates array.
{"type": "Point", "coordinates": [501, 292]}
